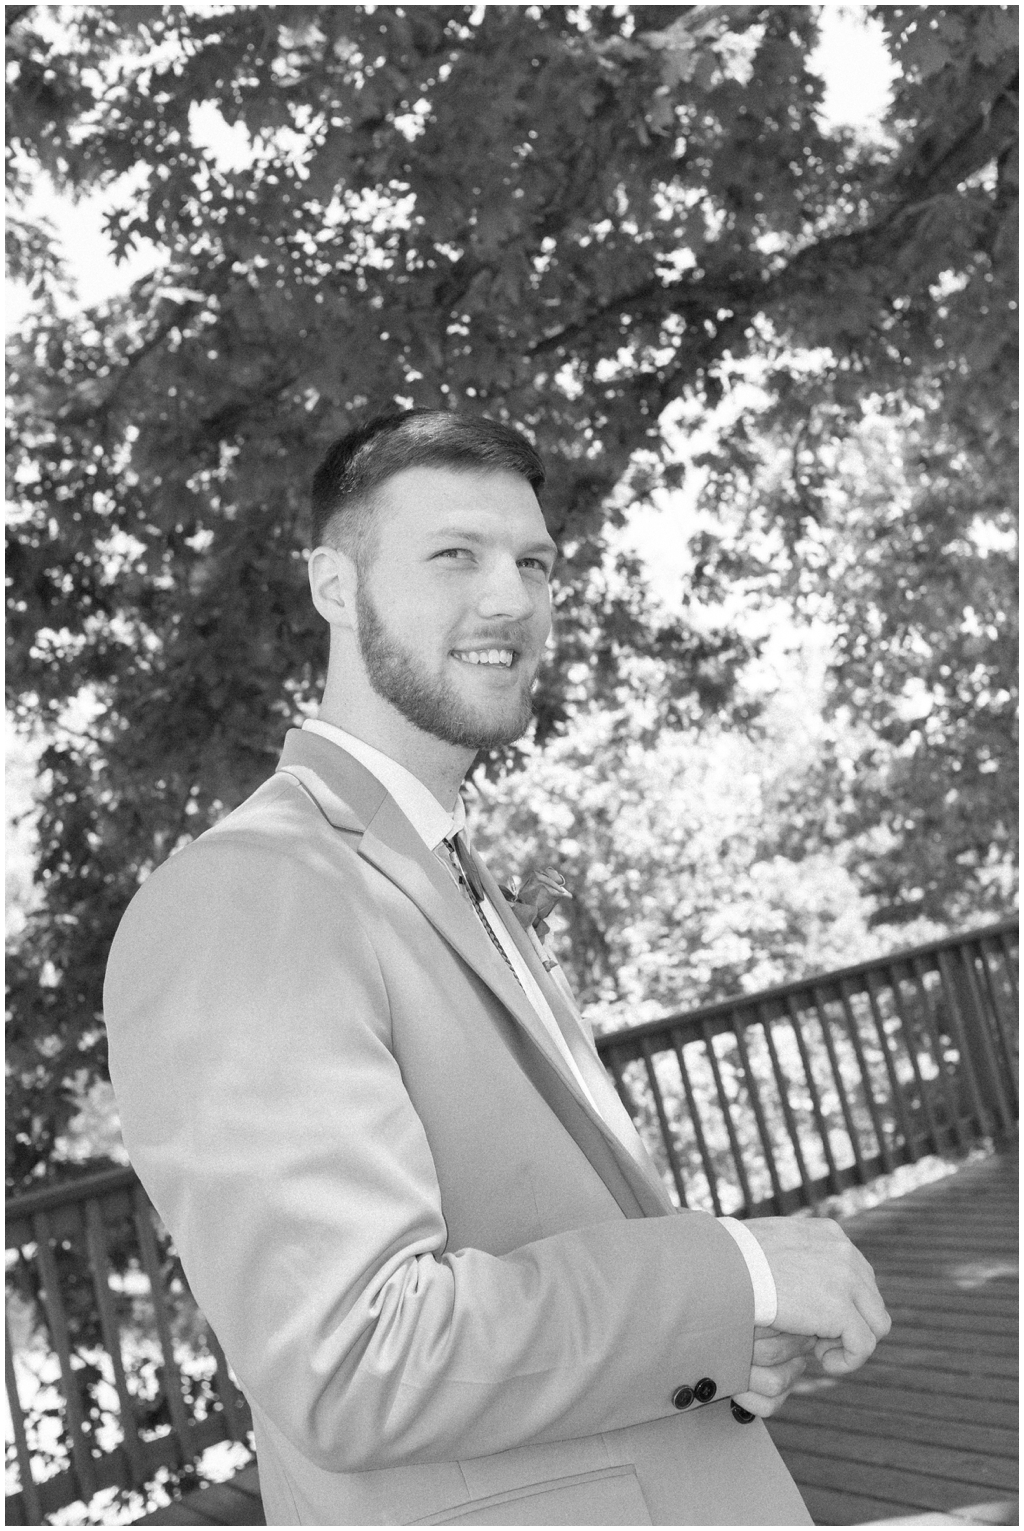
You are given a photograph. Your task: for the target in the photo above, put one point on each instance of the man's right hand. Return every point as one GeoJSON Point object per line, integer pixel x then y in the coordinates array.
{"type": "Point", "coordinates": [825, 1288]}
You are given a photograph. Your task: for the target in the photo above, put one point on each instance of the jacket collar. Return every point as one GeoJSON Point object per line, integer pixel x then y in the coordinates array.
{"type": "Point", "coordinates": [352, 799]}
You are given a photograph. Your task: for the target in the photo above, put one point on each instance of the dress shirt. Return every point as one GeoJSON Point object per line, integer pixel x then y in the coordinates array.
{"type": "Point", "coordinates": [434, 823]}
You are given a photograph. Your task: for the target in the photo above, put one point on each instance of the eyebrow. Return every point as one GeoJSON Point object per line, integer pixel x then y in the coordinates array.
{"type": "Point", "coordinates": [445, 533]}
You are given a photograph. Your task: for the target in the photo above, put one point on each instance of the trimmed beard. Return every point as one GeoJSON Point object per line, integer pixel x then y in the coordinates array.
{"type": "Point", "coordinates": [430, 702]}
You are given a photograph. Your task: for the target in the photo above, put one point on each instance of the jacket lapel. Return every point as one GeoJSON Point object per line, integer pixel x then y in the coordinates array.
{"type": "Point", "coordinates": [611, 1112]}
{"type": "Point", "coordinates": [352, 799]}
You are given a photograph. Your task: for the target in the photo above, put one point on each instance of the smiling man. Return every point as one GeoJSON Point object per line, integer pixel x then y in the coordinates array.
{"type": "Point", "coordinates": [403, 1189]}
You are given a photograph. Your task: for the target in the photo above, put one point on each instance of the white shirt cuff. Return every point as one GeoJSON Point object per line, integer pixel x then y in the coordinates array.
{"type": "Point", "coordinates": [766, 1298]}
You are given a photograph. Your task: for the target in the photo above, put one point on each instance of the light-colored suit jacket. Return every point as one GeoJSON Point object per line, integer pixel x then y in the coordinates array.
{"type": "Point", "coordinates": [451, 1293]}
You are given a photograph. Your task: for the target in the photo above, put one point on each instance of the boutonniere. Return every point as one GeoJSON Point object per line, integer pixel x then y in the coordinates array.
{"type": "Point", "coordinates": [532, 901]}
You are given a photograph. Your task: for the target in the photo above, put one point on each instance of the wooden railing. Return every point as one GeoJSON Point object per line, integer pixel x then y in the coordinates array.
{"type": "Point", "coordinates": [768, 1103]}
{"type": "Point", "coordinates": [763, 1104]}
{"type": "Point", "coordinates": [113, 1374]}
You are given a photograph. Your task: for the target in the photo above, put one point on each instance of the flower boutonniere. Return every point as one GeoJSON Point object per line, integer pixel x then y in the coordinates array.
{"type": "Point", "coordinates": [533, 900]}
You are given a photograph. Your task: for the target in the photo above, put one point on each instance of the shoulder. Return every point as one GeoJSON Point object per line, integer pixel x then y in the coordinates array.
{"type": "Point", "coordinates": [279, 823]}
{"type": "Point", "coordinates": [270, 856]}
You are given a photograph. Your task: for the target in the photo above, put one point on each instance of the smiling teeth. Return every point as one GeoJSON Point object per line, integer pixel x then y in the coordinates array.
{"type": "Point", "coordinates": [486, 656]}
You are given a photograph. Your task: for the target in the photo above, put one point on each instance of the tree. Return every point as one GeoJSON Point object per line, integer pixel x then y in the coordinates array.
{"type": "Point", "coordinates": [568, 218]}
{"type": "Point", "coordinates": [899, 532]}
{"type": "Point", "coordinates": [680, 858]}
{"type": "Point", "coordinates": [875, 486]}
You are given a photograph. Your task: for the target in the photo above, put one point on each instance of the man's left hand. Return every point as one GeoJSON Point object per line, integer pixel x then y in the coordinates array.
{"type": "Point", "coordinates": [778, 1362]}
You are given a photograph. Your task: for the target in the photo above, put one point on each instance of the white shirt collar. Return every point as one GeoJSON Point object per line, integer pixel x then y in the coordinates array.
{"type": "Point", "coordinates": [432, 822]}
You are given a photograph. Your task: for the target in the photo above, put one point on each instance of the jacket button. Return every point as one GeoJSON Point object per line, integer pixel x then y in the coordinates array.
{"type": "Point", "coordinates": [682, 1397]}
{"type": "Point", "coordinates": [740, 1415]}
{"type": "Point", "coordinates": [705, 1390]}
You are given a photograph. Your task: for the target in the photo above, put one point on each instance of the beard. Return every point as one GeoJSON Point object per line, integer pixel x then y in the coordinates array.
{"type": "Point", "coordinates": [431, 702]}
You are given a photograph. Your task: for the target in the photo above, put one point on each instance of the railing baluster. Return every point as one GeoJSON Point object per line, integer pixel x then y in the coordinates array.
{"type": "Point", "coordinates": [821, 1006]}
{"type": "Point", "coordinates": [935, 1035]}
{"type": "Point", "coordinates": [963, 1047]}
{"type": "Point", "coordinates": [96, 1244]}
{"type": "Point", "coordinates": [737, 1156]}
{"type": "Point", "coordinates": [856, 1041]}
{"type": "Point", "coordinates": [812, 1085]}
{"type": "Point", "coordinates": [1004, 1111]}
{"type": "Point", "coordinates": [759, 1117]}
{"type": "Point", "coordinates": [29, 1491]}
{"type": "Point", "coordinates": [1004, 942]}
{"type": "Point", "coordinates": [53, 1302]}
{"type": "Point", "coordinates": [232, 1399]}
{"type": "Point", "coordinates": [911, 1049]}
{"type": "Point", "coordinates": [172, 1377]}
{"type": "Point", "coordinates": [1005, 1034]}
{"type": "Point", "coordinates": [899, 1104]}
{"type": "Point", "coordinates": [668, 1137]}
{"type": "Point", "coordinates": [617, 1066]}
{"type": "Point", "coordinates": [782, 1083]}
{"type": "Point", "coordinates": [698, 1130]}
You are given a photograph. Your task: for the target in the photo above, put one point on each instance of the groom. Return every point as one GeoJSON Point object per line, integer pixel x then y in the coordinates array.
{"type": "Point", "coordinates": [404, 1192]}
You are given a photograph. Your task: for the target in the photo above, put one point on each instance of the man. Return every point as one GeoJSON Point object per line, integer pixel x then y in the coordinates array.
{"type": "Point", "coordinates": [403, 1189]}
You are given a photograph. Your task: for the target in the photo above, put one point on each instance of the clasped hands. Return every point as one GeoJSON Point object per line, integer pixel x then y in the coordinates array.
{"type": "Point", "coordinates": [828, 1306]}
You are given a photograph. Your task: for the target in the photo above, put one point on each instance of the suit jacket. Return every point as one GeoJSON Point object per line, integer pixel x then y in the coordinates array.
{"type": "Point", "coordinates": [450, 1292]}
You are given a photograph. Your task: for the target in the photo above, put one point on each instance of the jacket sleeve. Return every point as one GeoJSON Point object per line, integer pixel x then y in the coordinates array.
{"type": "Point", "coordinates": [267, 1117]}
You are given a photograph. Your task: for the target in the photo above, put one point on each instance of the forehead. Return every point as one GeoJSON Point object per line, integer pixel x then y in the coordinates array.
{"type": "Point", "coordinates": [420, 502]}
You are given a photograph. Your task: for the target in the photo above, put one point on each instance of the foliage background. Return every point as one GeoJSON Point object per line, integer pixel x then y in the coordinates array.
{"type": "Point", "coordinates": [648, 232]}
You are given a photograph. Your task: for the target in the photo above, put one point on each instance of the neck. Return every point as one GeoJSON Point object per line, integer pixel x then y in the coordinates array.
{"type": "Point", "coordinates": [439, 766]}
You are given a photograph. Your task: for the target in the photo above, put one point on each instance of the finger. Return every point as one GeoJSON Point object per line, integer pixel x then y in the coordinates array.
{"type": "Point", "coordinates": [761, 1404]}
{"type": "Point", "coordinates": [869, 1299]}
{"type": "Point", "coordinates": [781, 1347]}
{"type": "Point", "coordinates": [773, 1381]}
{"type": "Point", "coordinates": [756, 1403]}
{"type": "Point", "coordinates": [850, 1349]}
{"type": "Point", "coordinates": [873, 1310]}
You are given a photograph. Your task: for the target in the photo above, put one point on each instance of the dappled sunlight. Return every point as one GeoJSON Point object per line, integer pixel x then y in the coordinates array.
{"type": "Point", "coordinates": [977, 1273]}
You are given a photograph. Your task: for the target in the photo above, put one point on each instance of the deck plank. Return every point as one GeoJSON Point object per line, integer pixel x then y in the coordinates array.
{"type": "Point", "coordinates": [927, 1431]}
{"type": "Point", "coordinates": [886, 1417]}
{"type": "Point", "coordinates": [934, 1460]}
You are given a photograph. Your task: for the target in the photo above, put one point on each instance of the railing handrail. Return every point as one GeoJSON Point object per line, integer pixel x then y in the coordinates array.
{"type": "Point", "coordinates": [726, 1007]}
{"type": "Point", "coordinates": [49, 1197]}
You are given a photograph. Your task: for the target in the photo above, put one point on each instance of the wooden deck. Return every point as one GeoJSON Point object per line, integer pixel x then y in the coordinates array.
{"type": "Point", "coordinates": [926, 1433]}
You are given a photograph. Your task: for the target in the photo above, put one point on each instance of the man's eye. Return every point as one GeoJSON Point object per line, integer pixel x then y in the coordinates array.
{"type": "Point", "coordinates": [535, 563]}
{"type": "Point", "coordinates": [453, 553]}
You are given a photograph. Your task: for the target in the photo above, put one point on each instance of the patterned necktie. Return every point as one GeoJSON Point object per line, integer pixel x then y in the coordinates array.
{"type": "Point", "coordinates": [466, 875]}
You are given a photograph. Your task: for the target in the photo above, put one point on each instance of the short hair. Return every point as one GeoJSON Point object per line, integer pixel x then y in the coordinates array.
{"type": "Point", "coordinates": [362, 460]}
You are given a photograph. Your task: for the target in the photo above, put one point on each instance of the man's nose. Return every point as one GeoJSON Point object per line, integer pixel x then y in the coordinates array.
{"type": "Point", "coordinates": [505, 592]}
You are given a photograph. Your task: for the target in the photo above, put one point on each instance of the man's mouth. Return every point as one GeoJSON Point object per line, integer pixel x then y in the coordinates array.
{"type": "Point", "coordinates": [503, 658]}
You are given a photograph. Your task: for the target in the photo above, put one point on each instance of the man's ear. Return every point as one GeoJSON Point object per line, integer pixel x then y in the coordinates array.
{"type": "Point", "coordinates": [332, 583]}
